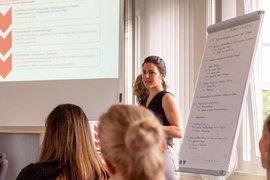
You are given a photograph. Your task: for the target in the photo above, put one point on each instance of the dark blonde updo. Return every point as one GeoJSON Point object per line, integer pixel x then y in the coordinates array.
{"type": "Point", "coordinates": [132, 140]}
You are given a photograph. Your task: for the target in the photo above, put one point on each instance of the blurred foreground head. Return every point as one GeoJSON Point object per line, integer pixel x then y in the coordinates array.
{"type": "Point", "coordinates": [132, 143]}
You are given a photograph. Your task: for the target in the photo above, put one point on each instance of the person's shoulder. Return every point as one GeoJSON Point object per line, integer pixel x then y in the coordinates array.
{"type": "Point", "coordinates": [28, 172]}
{"type": "Point", "coordinates": [38, 171]}
{"type": "Point", "coordinates": [168, 99]}
{"type": "Point", "coordinates": [167, 94]}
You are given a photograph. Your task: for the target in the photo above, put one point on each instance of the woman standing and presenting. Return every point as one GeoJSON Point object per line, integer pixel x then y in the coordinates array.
{"type": "Point", "coordinates": [165, 107]}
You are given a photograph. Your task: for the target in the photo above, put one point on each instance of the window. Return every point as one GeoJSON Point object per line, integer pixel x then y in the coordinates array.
{"type": "Point", "coordinates": [266, 59]}
{"type": "Point", "coordinates": [258, 101]}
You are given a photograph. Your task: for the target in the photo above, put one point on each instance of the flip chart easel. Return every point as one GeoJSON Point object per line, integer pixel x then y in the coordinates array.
{"type": "Point", "coordinates": [214, 119]}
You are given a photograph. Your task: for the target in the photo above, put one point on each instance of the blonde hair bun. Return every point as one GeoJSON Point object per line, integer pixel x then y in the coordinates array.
{"type": "Point", "coordinates": [141, 136]}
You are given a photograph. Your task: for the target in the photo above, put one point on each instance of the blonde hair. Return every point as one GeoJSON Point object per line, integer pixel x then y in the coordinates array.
{"type": "Point", "coordinates": [139, 90]}
{"type": "Point", "coordinates": [68, 141]}
{"type": "Point", "coordinates": [132, 140]}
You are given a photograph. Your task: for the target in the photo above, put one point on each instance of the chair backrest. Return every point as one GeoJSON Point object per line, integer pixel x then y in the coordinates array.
{"type": "Point", "coordinates": [3, 166]}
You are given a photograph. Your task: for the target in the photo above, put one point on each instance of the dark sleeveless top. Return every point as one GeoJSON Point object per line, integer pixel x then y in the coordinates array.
{"type": "Point", "coordinates": [40, 171]}
{"type": "Point", "coordinates": [43, 171]}
{"type": "Point", "coordinates": [155, 105]}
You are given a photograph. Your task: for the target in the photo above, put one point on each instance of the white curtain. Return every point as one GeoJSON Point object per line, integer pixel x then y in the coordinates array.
{"type": "Point", "coordinates": [176, 31]}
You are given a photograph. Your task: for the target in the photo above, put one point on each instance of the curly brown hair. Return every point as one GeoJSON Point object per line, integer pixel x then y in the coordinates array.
{"type": "Point", "coordinates": [139, 90]}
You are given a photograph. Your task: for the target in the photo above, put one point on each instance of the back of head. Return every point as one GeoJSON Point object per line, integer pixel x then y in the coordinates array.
{"type": "Point", "coordinates": [266, 126]}
{"type": "Point", "coordinates": [266, 129]}
{"type": "Point", "coordinates": [68, 141]}
{"type": "Point", "coordinates": [132, 140]}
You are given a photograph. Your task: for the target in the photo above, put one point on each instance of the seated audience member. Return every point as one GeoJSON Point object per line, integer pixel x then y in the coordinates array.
{"type": "Point", "coordinates": [67, 151]}
{"type": "Point", "coordinates": [264, 146]}
{"type": "Point", "coordinates": [139, 90]}
{"type": "Point", "coordinates": [132, 143]}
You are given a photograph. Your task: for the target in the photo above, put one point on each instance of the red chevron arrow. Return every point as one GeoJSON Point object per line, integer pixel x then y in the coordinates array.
{"type": "Point", "coordinates": [5, 20]}
{"type": "Point", "coordinates": [95, 128]}
{"type": "Point", "coordinates": [5, 44]}
{"type": "Point", "coordinates": [96, 136]}
{"type": "Point", "coordinates": [97, 145]}
{"type": "Point", "coordinates": [5, 66]}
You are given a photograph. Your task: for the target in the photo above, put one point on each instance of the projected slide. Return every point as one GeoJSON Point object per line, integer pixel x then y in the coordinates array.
{"type": "Point", "coordinates": [59, 39]}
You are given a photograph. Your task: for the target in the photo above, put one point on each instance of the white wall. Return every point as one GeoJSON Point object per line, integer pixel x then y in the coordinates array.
{"type": "Point", "coordinates": [20, 149]}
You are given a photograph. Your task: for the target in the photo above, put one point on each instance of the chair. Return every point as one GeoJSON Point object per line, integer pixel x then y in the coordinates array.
{"type": "Point", "coordinates": [3, 166]}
